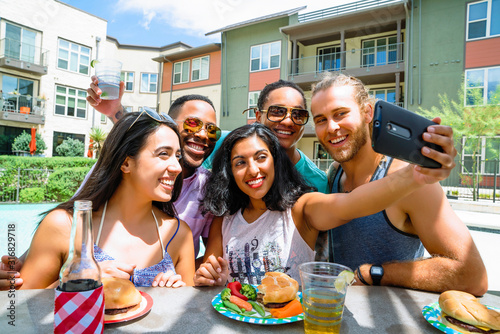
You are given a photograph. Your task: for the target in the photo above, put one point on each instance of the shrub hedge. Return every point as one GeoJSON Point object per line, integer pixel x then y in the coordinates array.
{"type": "Point", "coordinates": [66, 176]}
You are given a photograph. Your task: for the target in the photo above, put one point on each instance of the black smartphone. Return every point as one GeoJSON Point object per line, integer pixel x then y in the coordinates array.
{"type": "Point", "coordinates": [397, 132]}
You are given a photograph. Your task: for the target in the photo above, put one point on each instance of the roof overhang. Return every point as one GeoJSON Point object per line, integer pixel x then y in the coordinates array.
{"type": "Point", "coordinates": [258, 20]}
{"type": "Point", "coordinates": [189, 53]}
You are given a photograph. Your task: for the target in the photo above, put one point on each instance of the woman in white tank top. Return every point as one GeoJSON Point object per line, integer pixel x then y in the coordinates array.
{"type": "Point", "coordinates": [268, 217]}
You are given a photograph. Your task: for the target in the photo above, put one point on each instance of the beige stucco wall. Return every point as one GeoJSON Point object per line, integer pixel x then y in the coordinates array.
{"type": "Point", "coordinates": [139, 61]}
{"type": "Point", "coordinates": [212, 92]}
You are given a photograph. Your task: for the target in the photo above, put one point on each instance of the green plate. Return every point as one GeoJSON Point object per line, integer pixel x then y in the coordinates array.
{"type": "Point", "coordinates": [256, 319]}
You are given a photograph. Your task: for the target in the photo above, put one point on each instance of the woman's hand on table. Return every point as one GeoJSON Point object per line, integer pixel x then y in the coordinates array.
{"type": "Point", "coordinates": [112, 268]}
{"type": "Point", "coordinates": [168, 280]}
{"type": "Point", "coordinates": [213, 272]}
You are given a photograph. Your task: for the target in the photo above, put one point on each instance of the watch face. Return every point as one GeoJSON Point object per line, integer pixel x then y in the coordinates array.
{"type": "Point", "coordinates": [376, 271]}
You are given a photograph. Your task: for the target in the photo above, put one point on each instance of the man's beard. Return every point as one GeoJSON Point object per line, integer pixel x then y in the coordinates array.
{"type": "Point", "coordinates": [356, 141]}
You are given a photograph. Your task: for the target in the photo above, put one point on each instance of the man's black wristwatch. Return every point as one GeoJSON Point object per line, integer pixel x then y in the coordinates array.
{"type": "Point", "coordinates": [376, 272]}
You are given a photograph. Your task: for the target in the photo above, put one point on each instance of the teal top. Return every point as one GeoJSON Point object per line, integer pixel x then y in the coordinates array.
{"type": "Point", "coordinates": [313, 176]}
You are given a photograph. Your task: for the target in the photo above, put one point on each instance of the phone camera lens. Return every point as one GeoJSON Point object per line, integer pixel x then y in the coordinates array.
{"type": "Point", "coordinates": [377, 123]}
{"type": "Point", "coordinates": [389, 127]}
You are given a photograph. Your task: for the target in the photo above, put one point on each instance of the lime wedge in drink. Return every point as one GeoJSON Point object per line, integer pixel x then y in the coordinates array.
{"type": "Point", "coordinates": [104, 94]}
{"type": "Point", "coordinates": [93, 62]}
{"type": "Point", "coordinates": [344, 279]}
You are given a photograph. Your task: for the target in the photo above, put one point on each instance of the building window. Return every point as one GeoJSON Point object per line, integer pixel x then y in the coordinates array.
{"type": "Point", "coordinates": [329, 58]}
{"type": "Point", "coordinates": [16, 93]}
{"type": "Point", "coordinates": [20, 43]}
{"type": "Point", "coordinates": [181, 72]}
{"type": "Point", "coordinates": [149, 82]}
{"type": "Point", "coordinates": [486, 157]}
{"type": "Point", "coordinates": [104, 119]}
{"type": "Point", "coordinates": [73, 57]}
{"type": "Point", "coordinates": [128, 108]}
{"type": "Point", "coordinates": [59, 137]}
{"type": "Point", "coordinates": [380, 51]}
{"type": "Point", "coordinates": [128, 78]}
{"type": "Point", "coordinates": [265, 56]}
{"type": "Point", "coordinates": [321, 157]}
{"type": "Point", "coordinates": [253, 98]}
{"type": "Point", "coordinates": [388, 95]}
{"type": "Point", "coordinates": [483, 19]}
{"type": "Point", "coordinates": [71, 102]}
{"type": "Point", "coordinates": [482, 86]}
{"type": "Point", "coordinates": [199, 69]}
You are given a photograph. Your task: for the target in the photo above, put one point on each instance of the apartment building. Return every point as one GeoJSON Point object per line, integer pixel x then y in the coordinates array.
{"type": "Point", "coordinates": [406, 52]}
{"type": "Point", "coordinates": [45, 71]}
{"type": "Point", "coordinates": [191, 71]}
{"type": "Point", "coordinates": [482, 76]}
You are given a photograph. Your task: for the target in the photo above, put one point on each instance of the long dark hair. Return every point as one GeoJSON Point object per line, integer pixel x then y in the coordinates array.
{"type": "Point", "coordinates": [222, 194]}
{"type": "Point", "coordinates": [121, 143]}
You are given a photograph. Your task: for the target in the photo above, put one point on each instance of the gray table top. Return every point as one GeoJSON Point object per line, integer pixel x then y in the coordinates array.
{"type": "Point", "coordinates": [189, 310]}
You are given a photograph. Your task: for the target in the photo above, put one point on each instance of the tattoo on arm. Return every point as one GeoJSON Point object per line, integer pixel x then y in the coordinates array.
{"type": "Point", "coordinates": [119, 114]}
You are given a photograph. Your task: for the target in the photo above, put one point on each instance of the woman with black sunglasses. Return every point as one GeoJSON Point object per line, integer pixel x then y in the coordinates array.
{"type": "Point", "coordinates": [268, 218]}
{"type": "Point", "coordinates": [136, 233]}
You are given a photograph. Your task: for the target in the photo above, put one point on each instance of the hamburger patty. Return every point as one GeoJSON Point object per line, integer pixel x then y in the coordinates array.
{"type": "Point", "coordinates": [468, 327]}
{"type": "Point", "coordinates": [270, 305]}
{"type": "Point", "coordinates": [118, 310]}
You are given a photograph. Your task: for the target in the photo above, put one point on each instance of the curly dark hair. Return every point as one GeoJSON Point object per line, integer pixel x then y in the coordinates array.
{"type": "Point", "coordinates": [264, 94]}
{"type": "Point", "coordinates": [222, 194]}
{"type": "Point", "coordinates": [122, 141]}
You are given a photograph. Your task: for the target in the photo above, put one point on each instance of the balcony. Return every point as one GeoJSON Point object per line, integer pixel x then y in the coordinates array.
{"type": "Point", "coordinates": [22, 108]}
{"type": "Point", "coordinates": [373, 65]}
{"type": "Point", "coordinates": [23, 57]}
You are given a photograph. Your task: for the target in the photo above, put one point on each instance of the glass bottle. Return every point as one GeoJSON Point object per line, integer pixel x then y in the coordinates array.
{"type": "Point", "coordinates": [80, 272]}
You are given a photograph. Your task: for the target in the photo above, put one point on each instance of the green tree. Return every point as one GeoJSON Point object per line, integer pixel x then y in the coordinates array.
{"type": "Point", "coordinates": [22, 143]}
{"type": "Point", "coordinates": [71, 148]}
{"type": "Point", "coordinates": [98, 136]}
{"type": "Point", "coordinates": [471, 120]}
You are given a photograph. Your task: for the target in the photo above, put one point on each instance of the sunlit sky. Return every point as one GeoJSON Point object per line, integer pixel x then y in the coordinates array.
{"type": "Point", "coordinates": [162, 22]}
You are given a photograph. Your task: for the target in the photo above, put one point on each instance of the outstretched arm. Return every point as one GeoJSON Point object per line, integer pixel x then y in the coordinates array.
{"type": "Point", "coordinates": [455, 263]}
{"type": "Point", "coordinates": [376, 196]}
{"type": "Point", "coordinates": [113, 109]}
{"type": "Point", "coordinates": [324, 212]}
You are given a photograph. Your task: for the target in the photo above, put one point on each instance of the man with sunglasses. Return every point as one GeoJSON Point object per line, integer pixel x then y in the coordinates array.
{"type": "Point", "coordinates": [282, 108]}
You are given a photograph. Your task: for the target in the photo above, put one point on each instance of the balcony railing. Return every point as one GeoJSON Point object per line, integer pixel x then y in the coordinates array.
{"type": "Point", "coordinates": [344, 9]}
{"type": "Point", "coordinates": [22, 104]}
{"type": "Point", "coordinates": [352, 59]}
{"type": "Point", "coordinates": [17, 50]}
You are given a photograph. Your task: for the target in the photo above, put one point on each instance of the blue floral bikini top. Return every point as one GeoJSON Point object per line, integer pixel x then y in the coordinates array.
{"type": "Point", "coordinates": [144, 276]}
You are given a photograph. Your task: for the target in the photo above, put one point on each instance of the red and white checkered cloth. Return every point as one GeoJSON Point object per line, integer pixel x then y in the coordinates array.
{"type": "Point", "coordinates": [79, 312]}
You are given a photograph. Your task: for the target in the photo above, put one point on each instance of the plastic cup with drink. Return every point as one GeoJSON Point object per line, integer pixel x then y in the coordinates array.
{"type": "Point", "coordinates": [324, 287]}
{"type": "Point", "coordinates": [108, 72]}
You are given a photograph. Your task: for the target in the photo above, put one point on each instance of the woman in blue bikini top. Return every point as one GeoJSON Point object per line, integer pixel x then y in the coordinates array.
{"type": "Point", "coordinates": [134, 183]}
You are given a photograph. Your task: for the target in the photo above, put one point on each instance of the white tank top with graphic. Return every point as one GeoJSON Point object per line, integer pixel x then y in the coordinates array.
{"type": "Point", "coordinates": [271, 243]}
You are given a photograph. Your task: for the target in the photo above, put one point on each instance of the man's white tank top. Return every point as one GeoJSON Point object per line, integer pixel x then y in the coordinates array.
{"type": "Point", "coordinates": [271, 243]}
